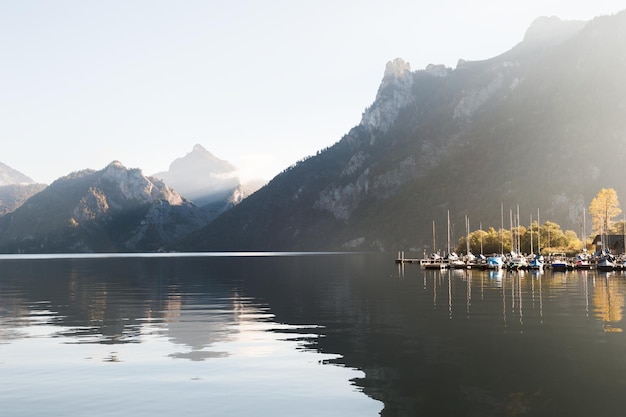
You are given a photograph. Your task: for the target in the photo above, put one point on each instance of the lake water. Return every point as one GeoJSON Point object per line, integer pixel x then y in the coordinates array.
{"type": "Point", "coordinates": [305, 335]}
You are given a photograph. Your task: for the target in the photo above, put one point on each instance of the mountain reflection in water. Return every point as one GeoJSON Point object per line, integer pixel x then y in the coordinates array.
{"type": "Point", "coordinates": [260, 335]}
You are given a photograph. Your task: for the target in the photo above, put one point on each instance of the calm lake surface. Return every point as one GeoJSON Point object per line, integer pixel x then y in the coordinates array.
{"type": "Point", "coordinates": [305, 335]}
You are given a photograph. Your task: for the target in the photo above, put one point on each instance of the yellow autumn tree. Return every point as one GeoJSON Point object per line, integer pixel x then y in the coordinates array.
{"type": "Point", "coordinates": [603, 208]}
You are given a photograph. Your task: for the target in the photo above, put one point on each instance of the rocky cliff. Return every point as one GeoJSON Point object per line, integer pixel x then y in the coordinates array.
{"type": "Point", "coordinates": [540, 126]}
{"type": "Point", "coordinates": [114, 209]}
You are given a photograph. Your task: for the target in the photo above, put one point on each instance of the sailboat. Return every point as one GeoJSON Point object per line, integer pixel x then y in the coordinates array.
{"type": "Point", "coordinates": [434, 261]}
{"type": "Point", "coordinates": [516, 259]}
{"type": "Point", "coordinates": [559, 262]}
{"type": "Point", "coordinates": [536, 263]}
{"type": "Point", "coordinates": [453, 260]}
{"type": "Point", "coordinates": [495, 262]}
{"type": "Point", "coordinates": [582, 260]}
{"type": "Point", "coordinates": [605, 261]}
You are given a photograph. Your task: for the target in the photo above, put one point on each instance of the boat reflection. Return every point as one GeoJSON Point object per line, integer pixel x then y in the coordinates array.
{"type": "Point", "coordinates": [522, 293]}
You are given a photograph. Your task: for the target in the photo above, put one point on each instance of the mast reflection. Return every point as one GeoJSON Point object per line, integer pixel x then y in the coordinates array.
{"type": "Point", "coordinates": [522, 293]}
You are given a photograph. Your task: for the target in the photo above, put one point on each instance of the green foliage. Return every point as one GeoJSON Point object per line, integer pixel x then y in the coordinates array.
{"type": "Point", "coordinates": [551, 238]}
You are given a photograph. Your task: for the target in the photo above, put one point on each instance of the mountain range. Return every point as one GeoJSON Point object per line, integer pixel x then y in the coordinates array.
{"type": "Point", "coordinates": [116, 209]}
{"type": "Point", "coordinates": [541, 128]}
{"type": "Point", "coordinates": [111, 210]}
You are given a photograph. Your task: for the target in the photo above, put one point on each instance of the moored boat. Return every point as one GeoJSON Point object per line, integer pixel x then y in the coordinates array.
{"type": "Point", "coordinates": [558, 262]}
{"type": "Point", "coordinates": [582, 261]}
{"type": "Point", "coordinates": [536, 262]}
{"type": "Point", "coordinates": [516, 261]}
{"type": "Point", "coordinates": [605, 262]}
{"type": "Point", "coordinates": [434, 261]}
{"type": "Point", "coordinates": [454, 262]}
{"type": "Point", "coordinates": [495, 262]}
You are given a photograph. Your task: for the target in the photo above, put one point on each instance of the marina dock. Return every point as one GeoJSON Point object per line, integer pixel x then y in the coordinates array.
{"type": "Point", "coordinates": [569, 264]}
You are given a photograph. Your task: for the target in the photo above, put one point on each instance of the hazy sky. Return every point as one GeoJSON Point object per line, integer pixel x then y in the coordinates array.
{"type": "Point", "coordinates": [261, 84]}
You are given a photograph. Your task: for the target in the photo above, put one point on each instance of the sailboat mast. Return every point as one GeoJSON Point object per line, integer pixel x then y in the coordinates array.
{"type": "Point", "coordinates": [584, 229]}
{"type": "Point", "coordinates": [531, 234]}
{"type": "Point", "coordinates": [511, 225]}
{"type": "Point", "coordinates": [519, 235]}
{"type": "Point", "coordinates": [434, 242]}
{"type": "Point", "coordinates": [448, 233]}
{"type": "Point", "coordinates": [501, 227]}
{"type": "Point", "coordinates": [538, 233]}
{"type": "Point", "coordinates": [481, 238]}
{"type": "Point", "coordinates": [467, 242]}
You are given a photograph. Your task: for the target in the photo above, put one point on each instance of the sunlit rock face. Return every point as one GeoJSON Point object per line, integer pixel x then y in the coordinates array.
{"type": "Point", "coordinates": [540, 126]}
{"type": "Point", "coordinates": [393, 94]}
{"type": "Point", "coordinates": [132, 185]}
{"type": "Point", "coordinates": [114, 209]}
{"type": "Point", "coordinates": [117, 188]}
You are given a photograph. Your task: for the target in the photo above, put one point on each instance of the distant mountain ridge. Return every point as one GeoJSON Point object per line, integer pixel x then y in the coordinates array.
{"type": "Point", "coordinates": [206, 180]}
{"type": "Point", "coordinates": [10, 176]}
{"type": "Point", "coordinates": [15, 188]}
{"type": "Point", "coordinates": [200, 176]}
{"type": "Point", "coordinates": [115, 209]}
{"type": "Point", "coordinates": [540, 126]}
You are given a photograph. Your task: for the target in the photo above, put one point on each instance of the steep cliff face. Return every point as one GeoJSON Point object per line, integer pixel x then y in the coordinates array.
{"type": "Point", "coordinates": [521, 129]}
{"type": "Point", "coordinates": [393, 94]}
{"type": "Point", "coordinates": [426, 122]}
{"type": "Point", "coordinates": [115, 209]}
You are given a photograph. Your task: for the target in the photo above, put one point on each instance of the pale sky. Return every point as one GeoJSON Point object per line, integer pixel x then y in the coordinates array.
{"type": "Point", "coordinates": [261, 84]}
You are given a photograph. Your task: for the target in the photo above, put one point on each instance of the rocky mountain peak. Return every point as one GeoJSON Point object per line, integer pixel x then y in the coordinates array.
{"type": "Point", "coordinates": [395, 69]}
{"type": "Point", "coordinates": [200, 176]}
{"type": "Point", "coordinates": [131, 184]}
{"type": "Point", "coordinates": [10, 176]}
{"type": "Point", "coordinates": [550, 31]}
{"type": "Point", "coordinates": [116, 165]}
{"type": "Point", "coordinates": [197, 148]}
{"type": "Point", "coordinates": [481, 138]}
{"type": "Point", "coordinates": [393, 94]}
{"type": "Point", "coordinates": [113, 209]}
{"type": "Point", "coordinates": [201, 159]}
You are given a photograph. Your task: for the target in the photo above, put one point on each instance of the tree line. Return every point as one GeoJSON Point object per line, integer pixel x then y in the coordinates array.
{"type": "Point", "coordinates": [549, 237]}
